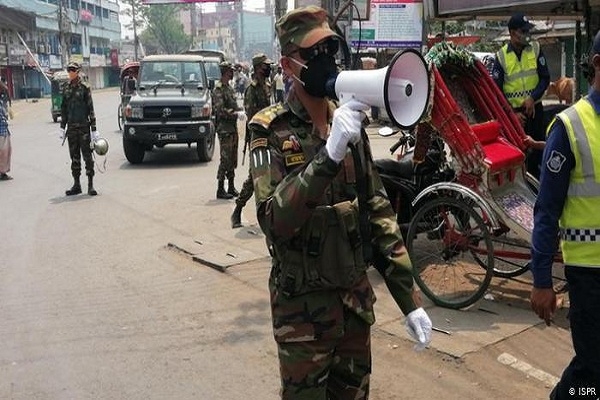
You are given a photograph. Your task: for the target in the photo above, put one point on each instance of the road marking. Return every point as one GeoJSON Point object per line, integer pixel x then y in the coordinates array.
{"type": "Point", "coordinates": [522, 366]}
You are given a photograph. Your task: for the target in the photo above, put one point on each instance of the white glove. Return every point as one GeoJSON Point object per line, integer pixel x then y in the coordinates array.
{"type": "Point", "coordinates": [95, 135]}
{"type": "Point", "coordinates": [241, 115]}
{"type": "Point", "coordinates": [61, 133]}
{"type": "Point", "coordinates": [418, 326]}
{"type": "Point", "coordinates": [346, 128]}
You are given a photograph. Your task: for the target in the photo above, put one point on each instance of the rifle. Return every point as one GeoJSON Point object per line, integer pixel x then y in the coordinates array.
{"type": "Point", "coordinates": [246, 142]}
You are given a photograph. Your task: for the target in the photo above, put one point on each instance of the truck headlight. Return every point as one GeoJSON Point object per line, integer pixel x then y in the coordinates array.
{"type": "Point", "coordinates": [196, 110]}
{"type": "Point", "coordinates": [135, 112]}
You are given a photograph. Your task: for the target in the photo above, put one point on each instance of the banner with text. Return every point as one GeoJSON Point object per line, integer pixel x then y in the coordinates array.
{"type": "Point", "coordinates": [392, 24]}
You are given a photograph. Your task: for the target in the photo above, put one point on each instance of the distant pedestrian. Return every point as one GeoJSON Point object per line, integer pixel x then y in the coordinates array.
{"type": "Point", "coordinates": [279, 85]}
{"type": "Point", "coordinates": [5, 145]}
{"type": "Point", "coordinates": [78, 118]}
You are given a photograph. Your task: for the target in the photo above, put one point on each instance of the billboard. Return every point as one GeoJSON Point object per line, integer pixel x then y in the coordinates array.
{"type": "Point", "coordinates": [184, 1]}
{"type": "Point", "coordinates": [392, 24]}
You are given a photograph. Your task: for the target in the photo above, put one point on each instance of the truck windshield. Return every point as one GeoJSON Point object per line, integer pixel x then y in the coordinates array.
{"type": "Point", "coordinates": [170, 73]}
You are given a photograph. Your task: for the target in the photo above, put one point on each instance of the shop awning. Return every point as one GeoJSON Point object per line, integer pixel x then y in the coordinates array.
{"type": "Point", "coordinates": [16, 20]}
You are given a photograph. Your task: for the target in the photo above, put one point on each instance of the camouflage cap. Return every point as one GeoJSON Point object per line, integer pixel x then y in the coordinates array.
{"type": "Point", "coordinates": [225, 65]}
{"type": "Point", "coordinates": [74, 64]}
{"type": "Point", "coordinates": [260, 58]}
{"type": "Point", "coordinates": [302, 27]}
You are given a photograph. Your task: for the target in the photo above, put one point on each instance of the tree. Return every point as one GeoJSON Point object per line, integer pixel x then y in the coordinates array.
{"type": "Point", "coordinates": [163, 24]}
{"type": "Point", "coordinates": [135, 12]}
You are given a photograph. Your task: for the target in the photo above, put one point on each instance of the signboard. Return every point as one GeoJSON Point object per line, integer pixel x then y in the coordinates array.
{"type": "Point", "coordinates": [393, 24]}
{"type": "Point", "coordinates": [185, 1]}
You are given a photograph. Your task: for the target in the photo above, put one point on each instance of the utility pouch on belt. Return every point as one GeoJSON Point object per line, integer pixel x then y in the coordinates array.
{"type": "Point", "coordinates": [328, 254]}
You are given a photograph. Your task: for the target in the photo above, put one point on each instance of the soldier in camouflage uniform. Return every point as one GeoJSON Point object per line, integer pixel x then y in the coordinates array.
{"type": "Point", "coordinates": [77, 115]}
{"type": "Point", "coordinates": [326, 217]}
{"type": "Point", "coordinates": [227, 112]}
{"type": "Point", "coordinates": [256, 97]}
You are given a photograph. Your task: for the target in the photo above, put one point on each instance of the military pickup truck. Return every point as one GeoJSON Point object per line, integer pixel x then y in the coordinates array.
{"type": "Point", "coordinates": [172, 105]}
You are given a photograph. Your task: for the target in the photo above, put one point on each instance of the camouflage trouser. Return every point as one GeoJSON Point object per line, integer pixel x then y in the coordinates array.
{"type": "Point", "coordinates": [334, 369]}
{"type": "Point", "coordinates": [246, 192]}
{"type": "Point", "coordinates": [228, 143]}
{"type": "Point", "coordinates": [79, 144]}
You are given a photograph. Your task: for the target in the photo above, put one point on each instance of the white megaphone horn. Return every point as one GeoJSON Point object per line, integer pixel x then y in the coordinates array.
{"type": "Point", "coordinates": [402, 88]}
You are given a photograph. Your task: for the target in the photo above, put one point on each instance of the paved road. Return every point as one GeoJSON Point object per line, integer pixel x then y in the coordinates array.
{"type": "Point", "coordinates": [113, 297]}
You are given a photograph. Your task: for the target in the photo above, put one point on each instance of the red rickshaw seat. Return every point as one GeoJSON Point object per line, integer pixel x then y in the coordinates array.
{"type": "Point", "coordinates": [499, 153]}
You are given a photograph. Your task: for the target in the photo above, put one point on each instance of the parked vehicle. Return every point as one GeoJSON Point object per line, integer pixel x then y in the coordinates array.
{"type": "Point", "coordinates": [56, 84]}
{"type": "Point", "coordinates": [172, 105]}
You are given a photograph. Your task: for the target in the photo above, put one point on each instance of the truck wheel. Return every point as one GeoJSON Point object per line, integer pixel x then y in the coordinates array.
{"type": "Point", "coordinates": [134, 151]}
{"type": "Point", "coordinates": [55, 118]}
{"type": "Point", "coordinates": [206, 148]}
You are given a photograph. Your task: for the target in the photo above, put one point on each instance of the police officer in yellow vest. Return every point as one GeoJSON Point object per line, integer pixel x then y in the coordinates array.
{"type": "Point", "coordinates": [568, 204]}
{"type": "Point", "coordinates": [521, 72]}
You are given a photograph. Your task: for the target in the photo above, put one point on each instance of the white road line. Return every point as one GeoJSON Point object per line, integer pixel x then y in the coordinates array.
{"type": "Point", "coordinates": [522, 366]}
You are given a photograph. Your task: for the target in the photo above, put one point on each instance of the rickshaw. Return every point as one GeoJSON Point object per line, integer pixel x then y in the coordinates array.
{"type": "Point", "coordinates": [478, 225]}
{"type": "Point", "coordinates": [128, 77]}
{"type": "Point", "coordinates": [59, 78]}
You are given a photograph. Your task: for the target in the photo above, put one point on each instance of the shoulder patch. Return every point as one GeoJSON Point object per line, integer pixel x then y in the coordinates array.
{"type": "Point", "coordinates": [260, 142]}
{"type": "Point", "coordinates": [266, 116]}
{"type": "Point", "coordinates": [555, 161]}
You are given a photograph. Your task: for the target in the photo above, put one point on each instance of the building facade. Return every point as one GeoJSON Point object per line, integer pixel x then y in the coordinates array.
{"type": "Point", "coordinates": [39, 37]}
{"type": "Point", "coordinates": [238, 33]}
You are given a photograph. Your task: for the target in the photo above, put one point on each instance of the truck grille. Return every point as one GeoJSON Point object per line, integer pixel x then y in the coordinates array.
{"type": "Point", "coordinates": [167, 112]}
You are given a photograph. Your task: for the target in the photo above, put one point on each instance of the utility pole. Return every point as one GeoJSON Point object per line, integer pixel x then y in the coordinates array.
{"type": "Point", "coordinates": [63, 28]}
{"type": "Point", "coordinates": [135, 37]}
{"type": "Point", "coordinates": [193, 24]}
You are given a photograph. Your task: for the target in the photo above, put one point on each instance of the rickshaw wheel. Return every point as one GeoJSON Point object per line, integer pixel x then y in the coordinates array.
{"type": "Point", "coordinates": [440, 238]}
{"type": "Point", "coordinates": [120, 117]}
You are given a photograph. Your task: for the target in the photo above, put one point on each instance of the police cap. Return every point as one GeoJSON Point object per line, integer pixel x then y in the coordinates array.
{"type": "Point", "coordinates": [520, 21]}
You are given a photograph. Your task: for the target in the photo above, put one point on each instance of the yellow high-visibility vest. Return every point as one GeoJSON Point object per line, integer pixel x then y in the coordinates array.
{"type": "Point", "coordinates": [580, 219]}
{"type": "Point", "coordinates": [520, 77]}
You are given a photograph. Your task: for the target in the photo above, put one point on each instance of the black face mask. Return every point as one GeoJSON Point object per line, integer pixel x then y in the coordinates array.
{"type": "Point", "coordinates": [316, 73]}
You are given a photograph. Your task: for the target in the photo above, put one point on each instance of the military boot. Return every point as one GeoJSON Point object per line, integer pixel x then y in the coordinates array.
{"type": "Point", "coordinates": [221, 193]}
{"type": "Point", "coordinates": [91, 190]}
{"type": "Point", "coordinates": [236, 217]}
{"type": "Point", "coordinates": [231, 190]}
{"type": "Point", "coordinates": [75, 189]}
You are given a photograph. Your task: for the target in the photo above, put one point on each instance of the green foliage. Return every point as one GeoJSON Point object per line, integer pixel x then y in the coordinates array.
{"type": "Point", "coordinates": [164, 24]}
{"type": "Point", "coordinates": [160, 29]}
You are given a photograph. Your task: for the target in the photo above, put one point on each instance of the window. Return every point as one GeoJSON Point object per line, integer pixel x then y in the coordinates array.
{"type": "Point", "coordinates": [75, 4]}
{"type": "Point", "coordinates": [105, 13]}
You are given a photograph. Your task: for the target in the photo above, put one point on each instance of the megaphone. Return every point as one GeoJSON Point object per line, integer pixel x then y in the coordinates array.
{"type": "Point", "coordinates": [402, 88]}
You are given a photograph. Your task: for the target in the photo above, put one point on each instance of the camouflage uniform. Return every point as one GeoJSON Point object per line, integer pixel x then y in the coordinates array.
{"type": "Point", "coordinates": [256, 98]}
{"type": "Point", "coordinates": [225, 106]}
{"type": "Point", "coordinates": [77, 114]}
{"type": "Point", "coordinates": [322, 311]}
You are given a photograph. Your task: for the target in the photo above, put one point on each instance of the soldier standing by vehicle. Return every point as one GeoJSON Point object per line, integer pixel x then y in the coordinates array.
{"type": "Point", "coordinates": [227, 112]}
{"type": "Point", "coordinates": [256, 97]}
{"type": "Point", "coordinates": [521, 72]}
{"type": "Point", "coordinates": [326, 217]}
{"type": "Point", "coordinates": [77, 116]}
{"type": "Point", "coordinates": [567, 203]}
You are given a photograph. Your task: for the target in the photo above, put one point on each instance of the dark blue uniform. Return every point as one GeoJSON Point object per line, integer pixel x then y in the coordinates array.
{"type": "Point", "coordinates": [584, 282]}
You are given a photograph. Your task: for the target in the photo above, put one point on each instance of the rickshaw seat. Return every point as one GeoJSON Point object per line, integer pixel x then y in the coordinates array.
{"type": "Point", "coordinates": [499, 153]}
